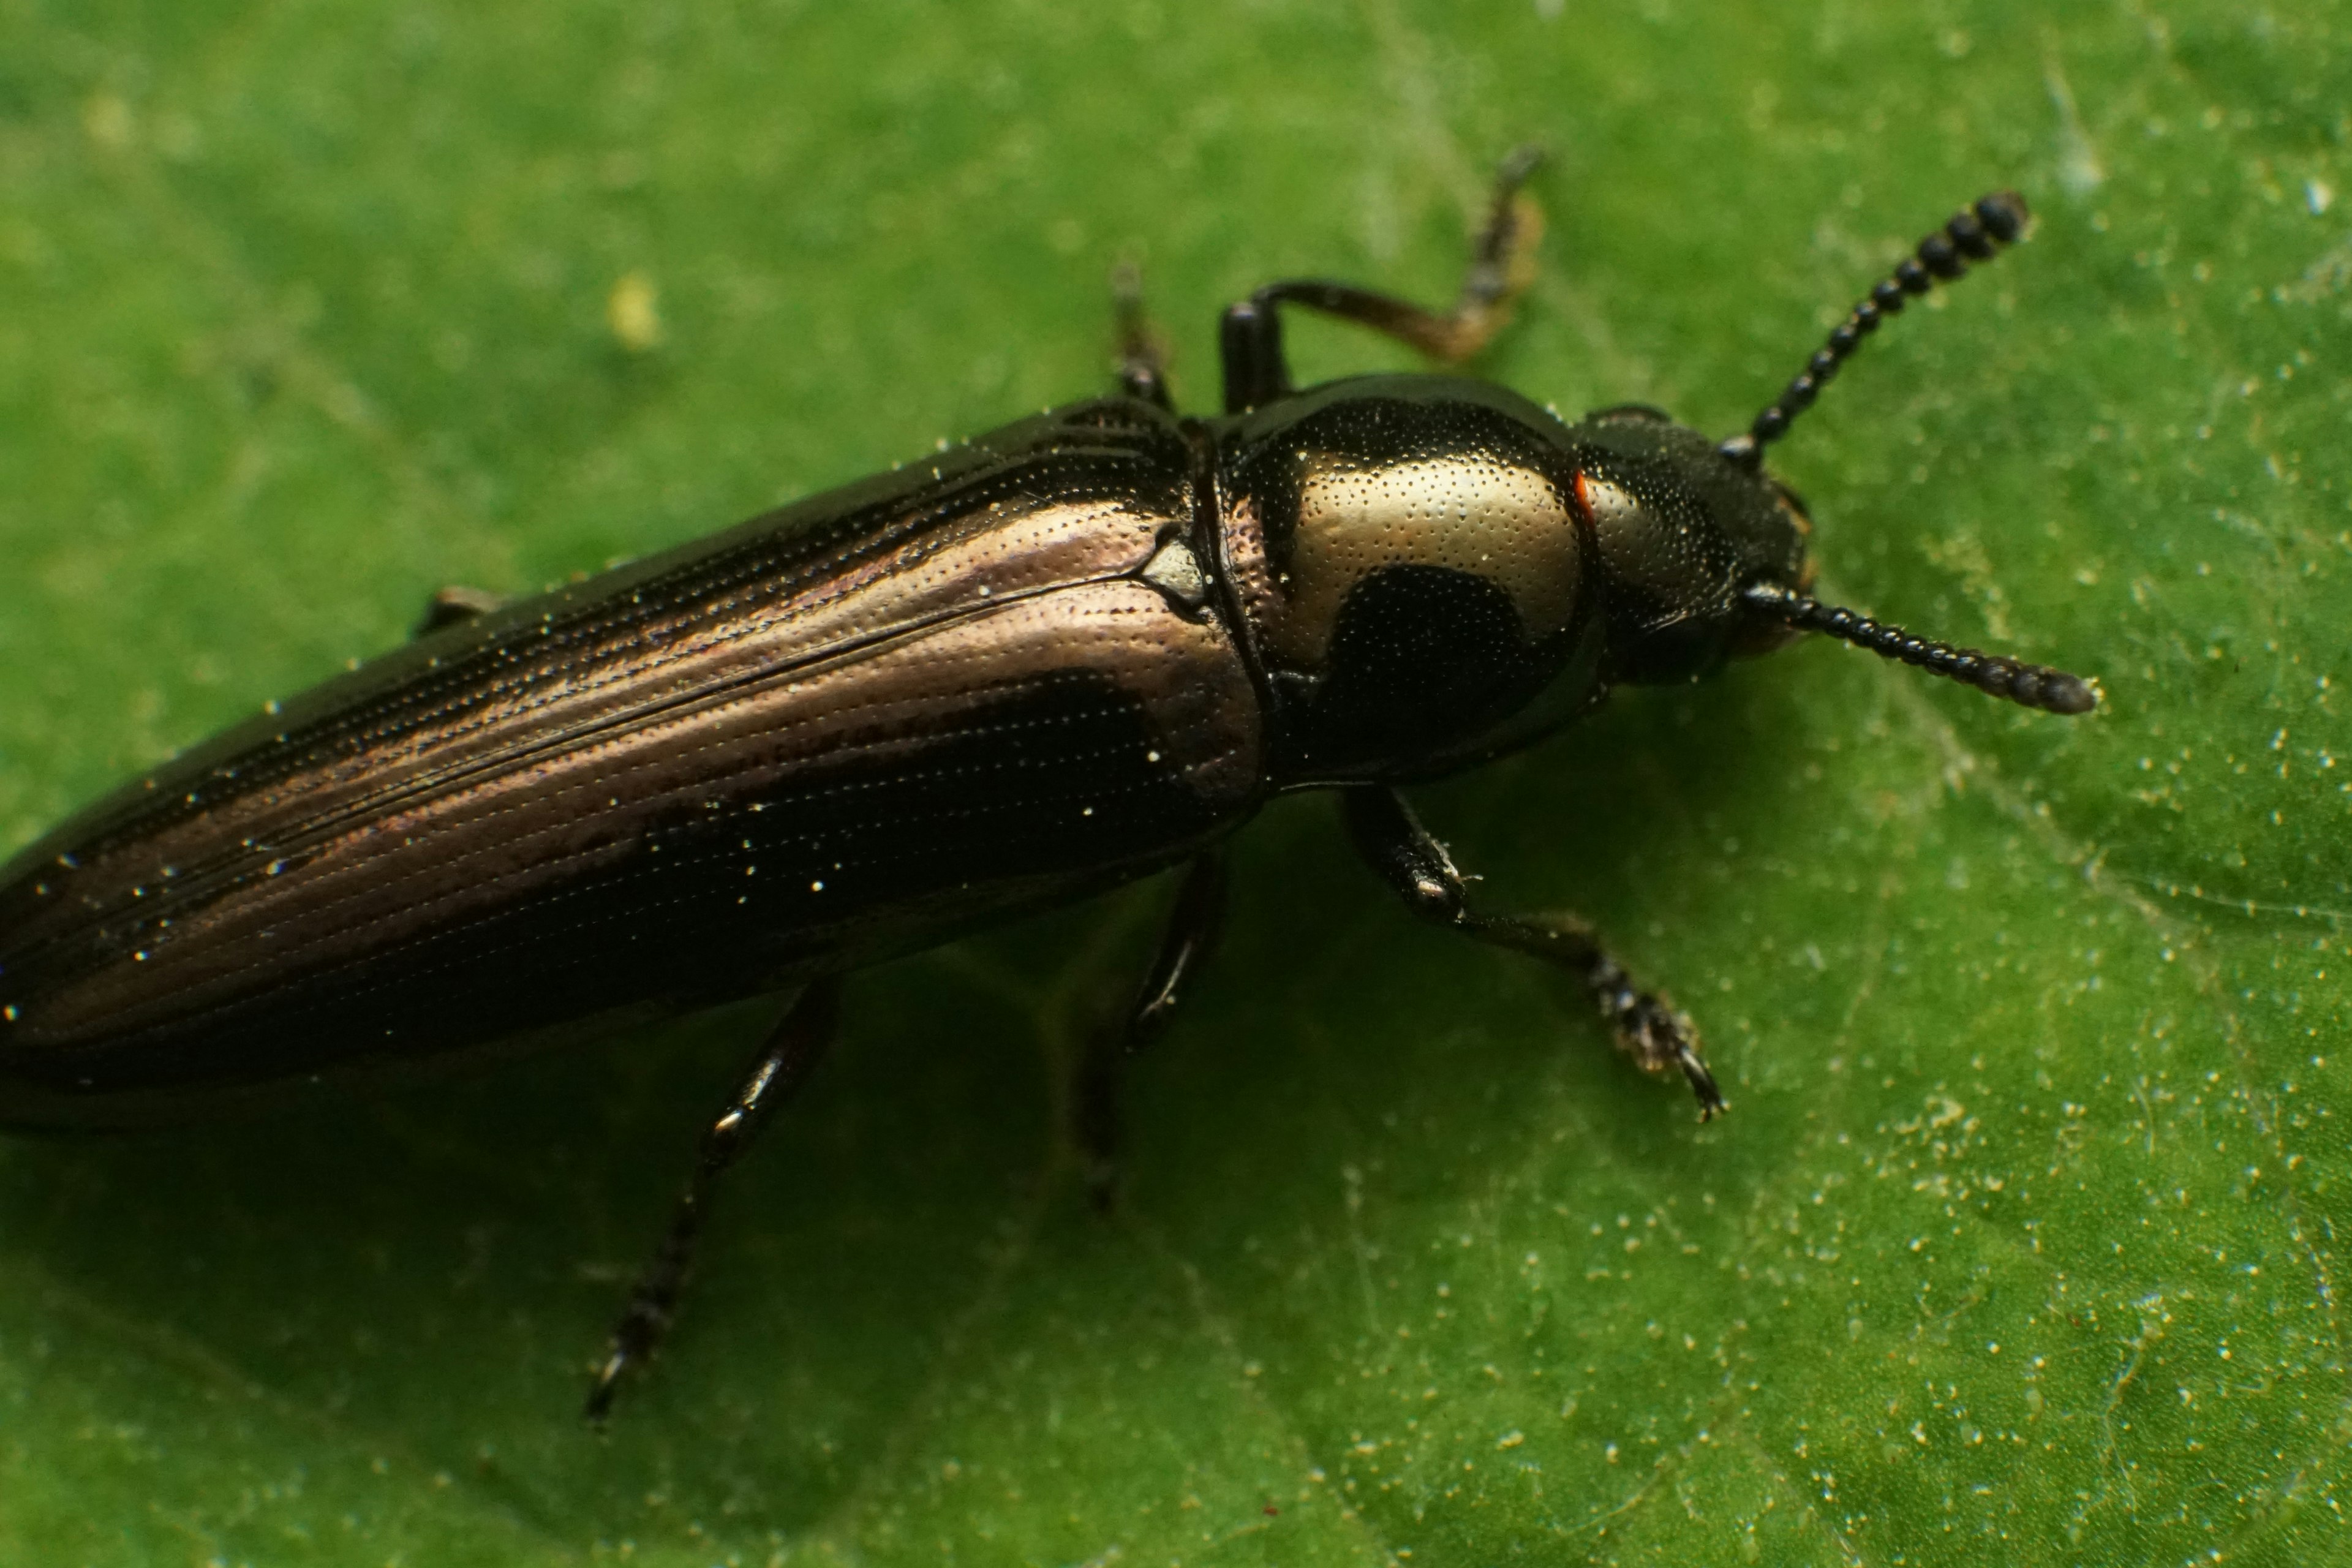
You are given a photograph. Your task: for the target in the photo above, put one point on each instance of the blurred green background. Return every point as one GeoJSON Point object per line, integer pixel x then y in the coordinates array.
{"type": "Point", "coordinates": [2021, 1242]}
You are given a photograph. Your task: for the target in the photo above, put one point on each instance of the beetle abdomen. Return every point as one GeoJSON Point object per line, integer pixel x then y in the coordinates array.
{"type": "Point", "coordinates": [848, 728]}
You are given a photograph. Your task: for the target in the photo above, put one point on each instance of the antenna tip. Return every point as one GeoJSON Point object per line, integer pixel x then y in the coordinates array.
{"type": "Point", "coordinates": [2031, 685]}
{"type": "Point", "coordinates": [2004, 214]}
{"type": "Point", "coordinates": [2064, 693]}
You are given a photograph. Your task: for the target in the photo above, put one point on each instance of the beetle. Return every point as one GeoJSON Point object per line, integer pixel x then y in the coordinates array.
{"type": "Point", "coordinates": [1068, 654]}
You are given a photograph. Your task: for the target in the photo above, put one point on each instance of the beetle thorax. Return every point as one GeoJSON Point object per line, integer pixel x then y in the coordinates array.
{"type": "Point", "coordinates": [1471, 512]}
{"type": "Point", "coordinates": [1410, 565]}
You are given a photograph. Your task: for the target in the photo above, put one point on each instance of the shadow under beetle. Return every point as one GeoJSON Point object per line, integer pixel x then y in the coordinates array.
{"type": "Point", "coordinates": [1058, 658]}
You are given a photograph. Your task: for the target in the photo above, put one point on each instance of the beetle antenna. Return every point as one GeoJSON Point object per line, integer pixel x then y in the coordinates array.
{"type": "Point", "coordinates": [2029, 685]}
{"type": "Point", "coordinates": [1974, 233]}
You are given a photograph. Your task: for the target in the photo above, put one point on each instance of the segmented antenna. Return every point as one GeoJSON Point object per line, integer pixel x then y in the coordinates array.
{"type": "Point", "coordinates": [2031, 685]}
{"type": "Point", "coordinates": [1975, 234]}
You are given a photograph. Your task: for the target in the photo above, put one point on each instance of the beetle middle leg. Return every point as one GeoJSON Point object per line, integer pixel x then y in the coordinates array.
{"type": "Point", "coordinates": [1393, 842]}
{"type": "Point", "coordinates": [791, 1051]}
{"type": "Point", "coordinates": [1190, 937]}
{"type": "Point", "coordinates": [1502, 263]}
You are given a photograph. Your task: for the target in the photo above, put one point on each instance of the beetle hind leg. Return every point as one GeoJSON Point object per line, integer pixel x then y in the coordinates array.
{"type": "Point", "coordinates": [1394, 843]}
{"type": "Point", "coordinates": [1502, 264]}
{"type": "Point", "coordinates": [1191, 936]}
{"type": "Point", "coordinates": [790, 1052]}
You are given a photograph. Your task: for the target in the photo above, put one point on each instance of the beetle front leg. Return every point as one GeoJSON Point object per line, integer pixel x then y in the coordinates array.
{"type": "Point", "coordinates": [1502, 263]}
{"type": "Point", "coordinates": [1393, 843]}
{"type": "Point", "coordinates": [1191, 936]}
{"type": "Point", "coordinates": [792, 1049]}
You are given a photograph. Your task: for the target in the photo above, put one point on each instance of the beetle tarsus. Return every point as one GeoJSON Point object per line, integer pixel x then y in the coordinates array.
{"type": "Point", "coordinates": [787, 1056]}
{"type": "Point", "coordinates": [1658, 1036]}
{"type": "Point", "coordinates": [1193, 924]}
{"type": "Point", "coordinates": [1647, 1027]}
{"type": "Point", "coordinates": [1502, 264]}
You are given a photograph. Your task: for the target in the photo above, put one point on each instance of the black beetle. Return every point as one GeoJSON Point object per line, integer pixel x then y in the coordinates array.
{"type": "Point", "coordinates": [1061, 657]}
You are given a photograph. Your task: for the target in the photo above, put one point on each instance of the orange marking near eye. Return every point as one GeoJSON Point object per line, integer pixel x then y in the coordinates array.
{"type": "Point", "coordinates": [1582, 493]}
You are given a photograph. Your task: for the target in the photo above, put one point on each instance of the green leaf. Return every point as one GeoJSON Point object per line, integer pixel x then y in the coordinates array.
{"type": "Point", "coordinates": [2021, 1243]}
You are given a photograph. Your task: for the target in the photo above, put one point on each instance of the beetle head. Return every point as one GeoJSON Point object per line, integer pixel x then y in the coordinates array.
{"type": "Point", "coordinates": [1679, 533]}
{"type": "Point", "coordinates": [1435, 569]}
{"type": "Point", "coordinates": [1703, 552]}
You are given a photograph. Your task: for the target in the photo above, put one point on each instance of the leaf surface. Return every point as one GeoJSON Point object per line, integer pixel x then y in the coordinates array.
{"type": "Point", "coordinates": [2020, 1244]}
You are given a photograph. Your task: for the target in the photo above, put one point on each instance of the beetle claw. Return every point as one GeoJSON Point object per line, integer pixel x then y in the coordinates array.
{"type": "Point", "coordinates": [1661, 1039]}
{"type": "Point", "coordinates": [1711, 1103]}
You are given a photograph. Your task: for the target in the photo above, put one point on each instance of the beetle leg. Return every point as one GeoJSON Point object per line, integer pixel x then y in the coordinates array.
{"type": "Point", "coordinates": [1189, 938]}
{"type": "Point", "coordinates": [447, 606]}
{"type": "Point", "coordinates": [1393, 842]}
{"type": "Point", "coordinates": [792, 1049]}
{"type": "Point", "coordinates": [1502, 263]}
{"type": "Point", "coordinates": [1249, 343]}
{"type": "Point", "coordinates": [1142, 352]}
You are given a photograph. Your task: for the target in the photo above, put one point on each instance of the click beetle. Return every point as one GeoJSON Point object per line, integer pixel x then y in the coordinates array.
{"type": "Point", "coordinates": [1063, 656]}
